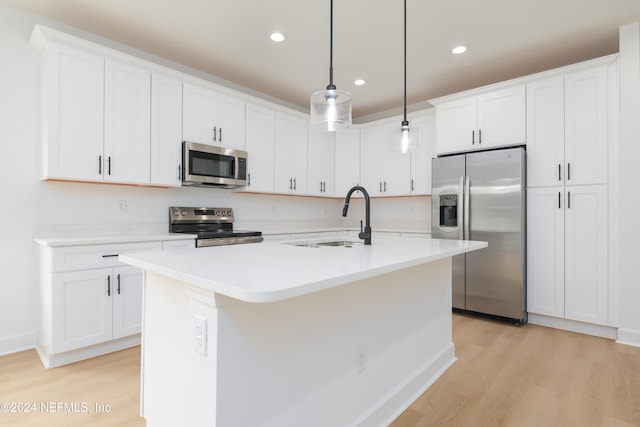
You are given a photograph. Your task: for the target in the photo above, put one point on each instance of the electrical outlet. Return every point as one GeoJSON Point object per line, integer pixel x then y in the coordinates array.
{"type": "Point", "coordinates": [361, 359]}
{"type": "Point", "coordinates": [200, 334]}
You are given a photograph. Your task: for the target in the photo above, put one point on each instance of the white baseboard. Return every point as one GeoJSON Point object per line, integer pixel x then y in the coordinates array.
{"type": "Point", "coordinates": [60, 359]}
{"type": "Point", "coordinates": [574, 326]}
{"type": "Point", "coordinates": [397, 400]}
{"type": "Point", "coordinates": [628, 337]}
{"type": "Point", "coordinates": [16, 343]}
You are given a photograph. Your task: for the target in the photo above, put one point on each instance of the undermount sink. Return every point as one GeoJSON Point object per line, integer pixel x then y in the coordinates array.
{"type": "Point", "coordinates": [336, 243]}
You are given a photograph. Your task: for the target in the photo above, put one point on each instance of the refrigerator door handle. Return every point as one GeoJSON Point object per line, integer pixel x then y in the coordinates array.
{"type": "Point", "coordinates": [467, 208]}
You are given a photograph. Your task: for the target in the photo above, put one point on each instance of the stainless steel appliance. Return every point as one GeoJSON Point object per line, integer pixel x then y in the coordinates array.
{"type": "Point", "coordinates": [208, 165]}
{"type": "Point", "coordinates": [213, 226]}
{"type": "Point", "coordinates": [481, 196]}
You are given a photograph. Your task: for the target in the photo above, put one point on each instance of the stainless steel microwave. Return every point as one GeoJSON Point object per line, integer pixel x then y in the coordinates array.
{"type": "Point", "coordinates": [209, 165]}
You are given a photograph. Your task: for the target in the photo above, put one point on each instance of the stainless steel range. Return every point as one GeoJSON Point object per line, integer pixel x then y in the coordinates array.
{"type": "Point", "coordinates": [213, 226]}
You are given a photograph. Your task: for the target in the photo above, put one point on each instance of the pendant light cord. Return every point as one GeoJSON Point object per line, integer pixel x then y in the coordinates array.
{"type": "Point", "coordinates": [405, 63]}
{"type": "Point", "coordinates": [331, 85]}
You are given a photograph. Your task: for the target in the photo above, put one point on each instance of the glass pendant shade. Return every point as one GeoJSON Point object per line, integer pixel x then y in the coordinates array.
{"type": "Point", "coordinates": [331, 110]}
{"type": "Point", "coordinates": [404, 138]}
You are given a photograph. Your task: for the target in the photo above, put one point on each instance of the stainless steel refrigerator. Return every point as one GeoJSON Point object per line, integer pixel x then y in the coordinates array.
{"type": "Point", "coordinates": [481, 196]}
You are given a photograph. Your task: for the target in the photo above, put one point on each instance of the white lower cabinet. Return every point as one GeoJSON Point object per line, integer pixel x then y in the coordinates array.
{"type": "Point", "coordinates": [567, 253]}
{"type": "Point", "coordinates": [91, 303]}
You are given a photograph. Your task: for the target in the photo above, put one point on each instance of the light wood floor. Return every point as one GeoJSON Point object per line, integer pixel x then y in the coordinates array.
{"type": "Point", "coordinates": [505, 376]}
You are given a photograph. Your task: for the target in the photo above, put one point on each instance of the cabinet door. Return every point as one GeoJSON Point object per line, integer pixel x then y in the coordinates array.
{"type": "Point", "coordinates": [545, 132]}
{"type": "Point", "coordinates": [127, 301]}
{"type": "Point", "coordinates": [74, 114]}
{"type": "Point", "coordinates": [501, 118]}
{"type": "Point", "coordinates": [166, 130]}
{"type": "Point", "coordinates": [81, 309]}
{"type": "Point", "coordinates": [372, 144]}
{"type": "Point", "coordinates": [586, 287]}
{"type": "Point", "coordinates": [290, 154]}
{"type": "Point", "coordinates": [127, 116]}
{"type": "Point", "coordinates": [347, 160]}
{"type": "Point", "coordinates": [260, 148]}
{"type": "Point", "coordinates": [231, 122]}
{"type": "Point", "coordinates": [456, 124]}
{"type": "Point", "coordinates": [200, 114]}
{"type": "Point", "coordinates": [586, 127]}
{"type": "Point", "coordinates": [545, 251]}
{"type": "Point", "coordinates": [320, 162]}
{"type": "Point", "coordinates": [422, 155]}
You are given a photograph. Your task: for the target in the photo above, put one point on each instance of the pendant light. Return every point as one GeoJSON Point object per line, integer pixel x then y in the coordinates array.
{"type": "Point", "coordinates": [407, 136]}
{"type": "Point", "coordinates": [331, 108]}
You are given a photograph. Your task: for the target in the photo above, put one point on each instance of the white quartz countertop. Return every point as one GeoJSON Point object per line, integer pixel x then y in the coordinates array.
{"type": "Point", "coordinates": [102, 239]}
{"type": "Point", "coordinates": [274, 271]}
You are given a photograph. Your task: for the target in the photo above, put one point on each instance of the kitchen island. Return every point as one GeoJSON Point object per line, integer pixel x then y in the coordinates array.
{"type": "Point", "coordinates": [294, 333]}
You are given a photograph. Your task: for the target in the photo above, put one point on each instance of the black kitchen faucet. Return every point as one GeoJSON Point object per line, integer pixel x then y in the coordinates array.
{"type": "Point", "coordinates": [366, 233]}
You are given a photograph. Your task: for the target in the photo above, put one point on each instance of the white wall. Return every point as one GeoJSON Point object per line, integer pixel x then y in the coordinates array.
{"type": "Point", "coordinates": [629, 331]}
{"type": "Point", "coordinates": [29, 204]}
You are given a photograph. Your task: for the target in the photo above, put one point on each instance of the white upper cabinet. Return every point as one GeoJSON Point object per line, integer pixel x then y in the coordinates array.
{"type": "Point", "coordinates": [422, 155]}
{"type": "Point", "coordinates": [73, 114]}
{"type": "Point", "coordinates": [545, 132]}
{"type": "Point", "coordinates": [166, 130]}
{"type": "Point", "coordinates": [290, 154]}
{"type": "Point", "coordinates": [586, 126]}
{"type": "Point", "coordinates": [567, 129]}
{"type": "Point", "coordinates": [320, 162]}
{"type": "Point", "coordinates": [127, 116]}
{"type": "Point", "coordinates": [347, 160]}
{"type": "Point", "coordinates": [385, 170]}
{"type": "Point", "coordinates": [210, 117]}
{"type": "Point", "coordinates": [260, 148]}
{"type": "Point", "coordinates": [490, 119]}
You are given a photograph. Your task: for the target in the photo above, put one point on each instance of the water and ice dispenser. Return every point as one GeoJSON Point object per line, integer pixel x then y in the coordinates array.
{"type": "Point", "coordinates": [448, 210]}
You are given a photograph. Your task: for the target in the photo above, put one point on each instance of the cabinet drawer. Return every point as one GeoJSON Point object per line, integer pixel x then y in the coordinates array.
{"type": "Point", "coordinates": [96, 256]}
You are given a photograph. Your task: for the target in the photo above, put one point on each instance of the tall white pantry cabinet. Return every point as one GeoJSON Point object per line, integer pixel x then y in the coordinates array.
{"type": "Point", "coordinates": [569, 120]}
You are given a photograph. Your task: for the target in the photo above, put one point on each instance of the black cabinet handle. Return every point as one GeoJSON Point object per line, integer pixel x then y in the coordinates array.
{"type": "Point", "coordinates": [109, 256]}
{"type": "Point", "coordinates": [559, 172]}
{"type": "Point", "coordinates": [118, 284]}
{"type": "Point", "coordinates": [290, 183]}
{"type": "Point", "coordinates": [568, 171]}
{"type": "Point", "coordinates": [569, 200]}
{"type": "Point", "coordinates": [411, 185]}
{"type": "Point", "coordinates": [220, 131]}
{"type": "Point", "coordinates": [109, 163]}
{"type": "Point", "coordinates": [559, 195]}
{"type": "Point", "coordinates": [99, 165]}
{"type": "Point", "coordinates": [215, 130]}
{"type": "Point", "coordinates": [473, 137]}
{"type": "Point", "coordinates": [479, 136]}
{"type": "Point", "coordinates": [249, 180]}
{"type": "Point", "coordinates": [295, 186]}
{"type": "Point", "coordinates": [385, 186]}
{"type": "Point", "coordinates": [109, 285]}
{"type": "Point", "coordinates": [381, 186]}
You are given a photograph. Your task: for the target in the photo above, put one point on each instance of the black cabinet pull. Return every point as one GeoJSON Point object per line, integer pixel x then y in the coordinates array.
{"type": "Point", "coordinates": [109, 256]}
{"type": "Point", "coordinates": [559, 172]}
{"type": "Point", "coordinates": [473, 137]}
{"type": "Point", "coordinates": [220, 131]}
{"type": "Point", "coordinates": [109, 285]}
{"type": "Point", "coordinates": [559, 195]}
{"type": "Point", "coordinates": [568, 171]}
{"type": "Point", "coordinates": [411, 185]}
{"type": "Point", "coordinates": [249, 179]}
{"type": "Point", "coordinates": [118, 284]}
{"type": "Point", "coordinates": [385, 186]}
{"type": "Point", "coordinates": [295, 186]}
{"type": "Point", "coordinates": [569, 200]}
{"type": "Point", "coordinates": [215, 130]}
{"type": "Point", "coordinates": [99, 165]}
{"type": "Point", "coordinates": [479, 136]}
{"type": "Point", "coordinates": [290, 183]}
{"type": "Point", "coordinates": [109, 163]}
{"type": "Point", "coordinates": [381, 186]}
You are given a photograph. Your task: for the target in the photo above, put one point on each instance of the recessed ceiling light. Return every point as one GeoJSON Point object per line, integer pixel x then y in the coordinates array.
{"type": "Point", "coordinates": [359, 82]}
{"type": "Point", "coordinates": [277, 37]}
{"type": "Point", "coordinates": [458, 50]}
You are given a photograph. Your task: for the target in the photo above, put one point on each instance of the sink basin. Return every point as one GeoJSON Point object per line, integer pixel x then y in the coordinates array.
{"type": "Point", "coordinates": [336, 243]}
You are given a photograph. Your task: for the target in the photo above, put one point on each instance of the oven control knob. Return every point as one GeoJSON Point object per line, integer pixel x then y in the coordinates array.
{"type": "Point", "coordinates": [228, 213]}
{"type": "Point", "coordinates": [183, 213]}
{"type": "Point", "coordinates": [176, 213]}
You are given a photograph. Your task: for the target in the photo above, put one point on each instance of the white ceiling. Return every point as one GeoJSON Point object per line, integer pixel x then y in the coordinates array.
{"type": "Point", "coordinates": [230, 39]}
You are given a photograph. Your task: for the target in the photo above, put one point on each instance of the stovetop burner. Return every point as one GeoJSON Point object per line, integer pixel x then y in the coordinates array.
{"type": "Point", "coordinates": [213, 226]}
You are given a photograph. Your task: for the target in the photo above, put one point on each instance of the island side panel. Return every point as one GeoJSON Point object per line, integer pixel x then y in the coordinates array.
{"type": "Point", "coordinates": [358, 354]}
